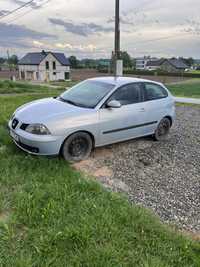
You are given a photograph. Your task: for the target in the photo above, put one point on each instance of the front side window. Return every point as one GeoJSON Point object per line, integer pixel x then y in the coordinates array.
{"type": "Point", "coordinates": [128, 94]}
{"type": "Point", "coordinates": [87, 94]}
{"type": "Point", "coordinates": [54, 65]}
{"type": "Point", "coordinates": [47, 65]}
{"type": "Point", "coordinates": [154, 91]}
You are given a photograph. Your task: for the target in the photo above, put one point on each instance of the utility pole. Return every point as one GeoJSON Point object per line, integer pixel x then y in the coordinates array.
{"type": "Point", "coordinates": [118, 64]}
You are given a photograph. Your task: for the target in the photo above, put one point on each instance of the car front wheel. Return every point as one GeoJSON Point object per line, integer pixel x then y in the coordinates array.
{"type": "Point", "coordinates": [77, 147]}
{"type": "Point", "coordinates": [162, 130]}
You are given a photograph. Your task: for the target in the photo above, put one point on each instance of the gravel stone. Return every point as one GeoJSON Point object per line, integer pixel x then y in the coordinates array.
{"type": "Point", "coordinates": [163, 176]}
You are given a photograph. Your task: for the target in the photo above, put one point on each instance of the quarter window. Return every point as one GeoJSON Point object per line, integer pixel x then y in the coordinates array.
{"type": "Point", "coordinates": [128, 94]}
{"type": "Point", "coordinates": [154, 91]}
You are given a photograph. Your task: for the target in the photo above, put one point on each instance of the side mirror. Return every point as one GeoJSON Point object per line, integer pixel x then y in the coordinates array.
{"type": "Point", "coordinates": [114, 104]}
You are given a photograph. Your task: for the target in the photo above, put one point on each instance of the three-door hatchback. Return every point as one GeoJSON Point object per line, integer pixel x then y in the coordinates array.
{"type": "Point", "coordinates": [93, 113]}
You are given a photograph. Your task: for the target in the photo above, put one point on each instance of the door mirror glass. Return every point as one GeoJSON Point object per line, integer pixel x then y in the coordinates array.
{"type": "Point", "coordinates": [114, 104]}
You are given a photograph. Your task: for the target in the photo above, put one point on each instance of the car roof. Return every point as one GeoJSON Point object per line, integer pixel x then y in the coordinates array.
{"type": "Point", "coordinates": [119, 81]}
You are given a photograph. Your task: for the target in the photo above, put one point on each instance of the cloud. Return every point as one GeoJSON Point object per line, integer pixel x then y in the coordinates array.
{"type": "Point", "coordinates": [83, 29]}
{"type": "Point", "coordinates": [65, 46]}
{"type": "Point", "coordinates": [3, 12]}
{"type": "Point", "coordinates": [123, 20]}
{"type": "Point", "coordinates": [13, 31]}
{"type": "Point", "coordinates": [19, 36]}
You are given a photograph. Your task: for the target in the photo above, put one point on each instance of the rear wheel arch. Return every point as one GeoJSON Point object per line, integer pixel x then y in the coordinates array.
{"type": "Point", "coordinates": [170, 119]}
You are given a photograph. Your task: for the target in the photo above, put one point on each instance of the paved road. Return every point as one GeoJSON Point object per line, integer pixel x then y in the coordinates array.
{"type": "Point", "coordinates": [187, 100]}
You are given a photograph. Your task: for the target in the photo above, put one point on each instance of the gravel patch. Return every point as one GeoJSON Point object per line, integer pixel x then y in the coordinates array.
{"type": "Point", "coordinates": [162, 176]}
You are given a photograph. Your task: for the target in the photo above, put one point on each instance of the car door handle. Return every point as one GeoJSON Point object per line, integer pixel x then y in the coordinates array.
{"type": "Point", "coordinates": [142, 110]}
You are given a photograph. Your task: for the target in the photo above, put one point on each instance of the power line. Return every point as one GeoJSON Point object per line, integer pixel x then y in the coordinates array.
{"type": "Point", "coordinates": [16, 9]}
{"type": "Point", "coordinates": [27, 12]}
{"type": "Point", "coordinates": [161, 38]}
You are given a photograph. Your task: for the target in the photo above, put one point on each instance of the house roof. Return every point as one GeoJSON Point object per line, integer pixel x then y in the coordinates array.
{"type": "Point", "coordinates": [154, 63]}
{"type": "Point", "coordinates": [36, 58]}
{"type": "Point", "coordinates": [177, 63]}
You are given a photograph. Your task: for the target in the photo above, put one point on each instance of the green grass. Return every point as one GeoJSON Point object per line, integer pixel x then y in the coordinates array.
{"type": "Point", "coordinates": [52, 216]}
{"type": "Point", "coordinates": [10, 87]}
{"type": "Point", "coordinates": [190, 88]}
{"type": "Point", "coordinates": [64, 84]}
{"type": "Point", "coordinates": [194, 71]}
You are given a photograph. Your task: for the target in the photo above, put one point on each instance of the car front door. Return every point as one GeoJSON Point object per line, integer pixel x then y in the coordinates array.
{"type": "Point", "coordinates": [126, 122]}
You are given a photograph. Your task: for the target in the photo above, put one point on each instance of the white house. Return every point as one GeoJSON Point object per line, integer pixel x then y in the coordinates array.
{"type": "Point", "coordinates": [44, 66]}
{"type": "Point", "coordinates": [141, 62]}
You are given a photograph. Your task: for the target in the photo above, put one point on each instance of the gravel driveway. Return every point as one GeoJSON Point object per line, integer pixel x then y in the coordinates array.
{"type": "Point", "coordinates": [163, 176]}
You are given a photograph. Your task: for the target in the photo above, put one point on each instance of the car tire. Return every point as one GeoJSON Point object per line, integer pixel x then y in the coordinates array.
{"type": "Point", "coordinates": [77, 147]}
{"type": "Point", "coordinates": [162, 130]}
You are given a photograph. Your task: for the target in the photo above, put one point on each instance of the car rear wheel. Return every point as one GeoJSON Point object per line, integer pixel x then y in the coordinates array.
{"type": "Point", "coordinates": [162, 130]}
{"type": "Point", "coordinates": [77, 147]}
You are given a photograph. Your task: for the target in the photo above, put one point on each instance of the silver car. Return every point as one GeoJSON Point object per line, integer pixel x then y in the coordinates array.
{"type": "Point", "coordinates": [94, 113]}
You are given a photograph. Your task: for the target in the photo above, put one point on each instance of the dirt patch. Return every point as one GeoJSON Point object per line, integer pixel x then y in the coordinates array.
{"type": "Point", "coordinates": [103, 174]}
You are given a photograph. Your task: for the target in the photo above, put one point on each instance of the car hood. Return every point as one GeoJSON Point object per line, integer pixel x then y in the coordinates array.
{"type": "Point", "coordinates": [44, 110]}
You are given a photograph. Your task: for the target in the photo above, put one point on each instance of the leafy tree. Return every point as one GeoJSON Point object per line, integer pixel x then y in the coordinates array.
{"type": "Point", "coordinates": [127, 61]}
{"type": "Point", "coordinates": [74, 62]}
{"type": "Point", "coordinates": [2, 60]}
{"type": "Point", "coordinates": [189, 61]}
{"type": "Point", "coordinates": [13, 60]}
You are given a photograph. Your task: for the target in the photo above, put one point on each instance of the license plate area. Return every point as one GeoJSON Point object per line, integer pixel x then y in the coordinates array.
{"type": "Point", "coordinates": [14, 136]}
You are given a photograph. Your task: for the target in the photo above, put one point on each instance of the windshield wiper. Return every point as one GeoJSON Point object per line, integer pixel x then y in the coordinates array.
{"type": "Point", "coordinates": [69, 101]}
{"type": "Point", "coordinates": [74, 103]}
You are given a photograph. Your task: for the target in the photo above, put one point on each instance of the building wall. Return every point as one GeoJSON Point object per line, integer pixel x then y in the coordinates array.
{"type": "Point", "coordinates": [40, 73]}
{"type": "Point", "coordinates": [140, 63]}
{"type": "Point", "coordinates": [152, 67]}
{"type": "Point", "coordinates": [51, 74]}
{"type": "Point", "coordinates": [166, 66]}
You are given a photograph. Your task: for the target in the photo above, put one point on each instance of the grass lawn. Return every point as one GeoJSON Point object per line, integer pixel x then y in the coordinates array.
{"type": "Point", "coordinates": [52, 216]}
{"type": "Point", "coordinates": [64, 83]}
{"type": "Point", "coordinates": [190, 88]}
{"type": "Point", "coordinates": [9, 87]}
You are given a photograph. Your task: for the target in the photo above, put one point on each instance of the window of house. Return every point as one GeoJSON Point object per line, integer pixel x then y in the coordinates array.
{"type": "Point", "coordinates": [154, 91]}
{"type": "Point", "coordinates": [128, 94]}
{"type": "Point", "coordinates": [47, 65]}
{"type": "Point", "coordinates": [54, 65]}
{"type": "Point", "coordinates": [66, 75]}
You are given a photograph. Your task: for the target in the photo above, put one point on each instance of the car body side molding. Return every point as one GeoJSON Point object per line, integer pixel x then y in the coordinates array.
{"type": "Point", "coordinates": [130, 127]}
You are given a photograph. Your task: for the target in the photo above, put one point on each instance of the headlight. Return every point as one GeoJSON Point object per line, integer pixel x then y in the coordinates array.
{"type": "Point", "coordinates": [38, 129]}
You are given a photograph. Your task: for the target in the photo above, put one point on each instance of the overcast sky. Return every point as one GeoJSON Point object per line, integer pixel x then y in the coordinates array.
{"type": "Point", "coordinates": [85, 28]}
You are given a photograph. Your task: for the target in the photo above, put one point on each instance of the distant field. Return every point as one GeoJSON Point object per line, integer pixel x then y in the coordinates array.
{"type": "Point", "coordinates": [194, 71]}
{"type": "Point", "coordinates": [190, 88]}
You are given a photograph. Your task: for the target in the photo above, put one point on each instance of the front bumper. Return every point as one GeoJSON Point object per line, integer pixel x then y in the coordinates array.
{"type": "Point", "coordinates": [46, 145]}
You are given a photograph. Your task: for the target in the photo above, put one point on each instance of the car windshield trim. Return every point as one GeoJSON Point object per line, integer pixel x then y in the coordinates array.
{"type": "Point", "coordinates": [72, 102]}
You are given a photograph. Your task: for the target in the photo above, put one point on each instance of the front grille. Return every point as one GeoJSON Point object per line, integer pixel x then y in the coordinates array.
{"type": "Point", "coordinates": [29, 148]}
{"type": "Point", "coordinates": [15, 122]}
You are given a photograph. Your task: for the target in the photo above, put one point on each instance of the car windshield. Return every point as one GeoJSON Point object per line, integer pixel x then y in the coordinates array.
{"type": "Point", "coordinates": [87, 94]}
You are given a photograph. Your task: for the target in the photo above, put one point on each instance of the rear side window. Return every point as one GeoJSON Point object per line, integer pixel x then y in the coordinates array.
{"type": "Point", "coordinates": [154, 91]}
{"type": "Point", "coordinates": [128, 94]}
